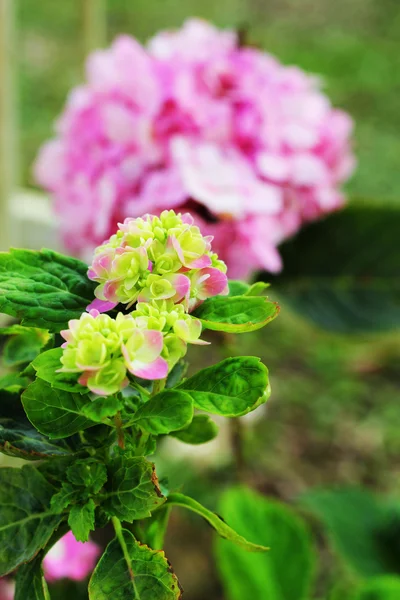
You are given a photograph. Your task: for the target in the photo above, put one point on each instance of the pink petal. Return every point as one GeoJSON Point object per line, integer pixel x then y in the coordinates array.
{"type": "Point", "coordinates": [101, 306]}
{"type": "Point", "coordinates": [158, 369]}
{"type": "Point", "coordinates": [216, 283]}
{"type": "Point", "coordinates": [181, 285]}
{"type": "Point", "coordinates": [199, 263]}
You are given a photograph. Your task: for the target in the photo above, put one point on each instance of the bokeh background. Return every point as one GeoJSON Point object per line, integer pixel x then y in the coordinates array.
{"type": "Point", "coordinates": [333, 418]}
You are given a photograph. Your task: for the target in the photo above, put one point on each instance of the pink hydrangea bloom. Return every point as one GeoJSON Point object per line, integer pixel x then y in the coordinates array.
{"type": "Point", "coordinates": [194, 121]}
{"type": "Point", "coordinates": [71, 559]}
{"type": "Point", "coordinates": [7, 588]}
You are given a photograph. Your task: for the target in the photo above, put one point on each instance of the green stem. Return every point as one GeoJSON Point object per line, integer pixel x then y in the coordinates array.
{"type": "Point", "coordinates": [141, 389]}
{"type": "Point", "coordinates": [120, 431]}
{"type": "Point", "coordinates": [120, 537]}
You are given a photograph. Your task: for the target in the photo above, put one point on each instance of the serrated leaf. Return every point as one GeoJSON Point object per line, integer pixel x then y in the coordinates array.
{"type": "Point", "coordinates": [134, 572]}
{"type": "Point", "coordinates": [233, 387]}
{"type": "Point", "coordinates": [81, 520]}
{"type": "Point", "coordinates": [342, 273]}
{"type": "Point", "coordinates": [30, 581]}
{"type": "Point", "coordinates": [167, 411]}
{"type": "Point", "coordinates": [222, 528]}
{"type": "Point", "coordinates": [236, 314]}
{"type": "Point", "coordinates": [20, 439]}
{"type": "Point", "coordinates": [46, 366]}
{"type": "Point", "coordinates": [88, 473]}
{"type": "Point", "coordinates": [200, 431]}
{"type": "Point", "coordinates": [26, 519]}
{"type": "Point", "coordinates": [64, 497]}
{"type": "Point", "coordinates": [132, 491]}
{"type": "Point", "coordinates": [285, 573]}
{"type": "Point", "coordinates": [386, 587]}
{"type": "Point", "coordinates": [44, 289]}
{"type": "Point", "coordinates": [55, 413]}
{"type": "Point", "coordinates": [102, 408]}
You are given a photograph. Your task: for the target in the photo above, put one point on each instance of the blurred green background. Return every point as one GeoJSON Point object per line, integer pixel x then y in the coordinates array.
{"type": "Point", "coordinates": [333, 417]}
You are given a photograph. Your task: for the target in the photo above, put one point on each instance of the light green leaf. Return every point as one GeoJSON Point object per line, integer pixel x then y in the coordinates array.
{"type": "Point", "coordinates": [363, 529]}
{"type": "Point", "coordinates": [13, 382]}
{"type": "Point", "coordinates": [26, 520]}
{"type": "Point", "coordinates": [30, 581]}
{"type": "Point", "coordinates": [132, 490]}
{"type": "Point", "coordinates": [20, 439]}
{"type": "Point", "coordinates": [44, 289]}
{"type": "Point", "coordinates": [201, 430]}
{"type": "Point", "coordinates": [215, 521]}
{"type": "Point", "coordinates": [256, 289]}
{"type": "Point", "coordinates": [380, 588]}
{"type": "Point", "coordinates": [286, 572]}
{"type": "Point", "coordinates": [342, 273]}
{"type": "Point", "coordinates": [167, 411]}
{"type": "Point", "coordinates": [81, 520]}
{"type": "Point", "coordinates": [24, 344]}
{"type": "Point", "coordinates": [230, 388]}
{"type": "Point", "coordinates": [53, 412]}
{"type": "Point", "coordinates": [133, 572]}
{"type": "Point", "coordinates": [236, 314]}
{"type": "Point", "coordinates": [46, 366]}
{"type": "Point", "coordinates": [237, 288]}
{"type": "Point", "coordinates": [100, 409]}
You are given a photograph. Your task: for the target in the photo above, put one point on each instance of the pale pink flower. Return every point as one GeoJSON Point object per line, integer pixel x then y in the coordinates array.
{"type": "Point", "coordinates": [7, 588]}
{"type": "Point", "coordinates": [193, 121]}
{"type": "Point", "coordinates": [71, 559]}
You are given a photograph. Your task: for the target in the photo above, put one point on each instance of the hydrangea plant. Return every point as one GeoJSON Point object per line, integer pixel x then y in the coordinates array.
{"type": "Point", "coordinates": [102, 380]}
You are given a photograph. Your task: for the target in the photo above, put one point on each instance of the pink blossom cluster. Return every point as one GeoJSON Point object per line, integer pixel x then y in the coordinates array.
{"type": "Point", "coordinates": [66, 559]}
{"type": "Point", "coordinates": [195, 121]}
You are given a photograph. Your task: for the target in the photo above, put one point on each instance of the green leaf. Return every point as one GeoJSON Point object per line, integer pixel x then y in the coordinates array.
{"type": "Point", "coordinates": [81, 520]}
{"type": "Point", "coordinates": [53, 412]}
{"type": "Point", "coordinates": [88, 473]}
{"type": "Point", "coordinates": [233, 387]}
{"type": "Point", "coordinates": [46, 366]}
{"type": "Point", "coordinates": [380, 588]}
{"type": "Point", "coordinates": [201, 430]}
{"type": "Point", "coordinates": [133, 572]}
{"type": "Point", "coordinates": [237, 314]}
{"type": "Point", "coordinates": [343, 273]}
{"type": "Point", "coordinates": [13, 382]}
{"type": "Point", "coordinates": [215, 521]}
{"type": "Point", "coordinates": [24, 344]}
{"type": "Point", "coordinates": [362, 529]}
{"type": "Point", "coordinates": [30, 581]}
{"type": "Point", "coordinates": [100, 409]}
{"type": "Point", "coordinates": [237, 288]}
{"type": "Point", "coordinates": [256, 289]}
{"type": "Point", "coordinates": [68, 494]}
{"type": "Point", "coordinates": [26, 522]}
{"type": "Point", "coordinates": [132, 490]}
{"type": "Point", "coordinates": [286, 572]}
{"type": "Point", "coordinates": [167, 411]}
{"type": "Point", "coordinates": [44, 289]}
{"type": "Point", "coordinates": [21, 440]}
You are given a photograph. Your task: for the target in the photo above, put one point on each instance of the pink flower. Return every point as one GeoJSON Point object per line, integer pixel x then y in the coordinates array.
{"type": "Point", "coordinates": [69, 558]}
{"type": "Point", "coordinates": [7, 588]}
{"type": "Point", "coordinates": [251, 147]}
{"type": "Point", "coordinates": [142, 354]}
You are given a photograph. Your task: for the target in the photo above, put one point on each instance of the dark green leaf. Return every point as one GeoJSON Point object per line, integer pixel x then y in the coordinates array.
{"type": "Point", "coordinates": [231, 388]}
{"type": "Point", "coordinates": [44, 289]}
{"type": "Point", "coordinates": [363, 530]}
{"type": "Point", "coordinates": [215, 521]}
{"type": "Point", "coordinates": [100, 409]}
{"type": "Point", "coordinates": [380, 588]}
{"type": "Point", "coordinates": [133, 572]}
{"type": "Point", "coordinates": [30, 582]}
{"type": "Point", "coordinates": [53, 412]}
{"type": "Point", "coordinates": [132, 490]}
{"type": "Point", "coordinates": [201, 430]}
{"type": "Point", "coordinates": [81, 520]}
{"type": "Point", "coordinates": [20, 439]}
{"type": "Point", "coordinates": [26, 520]}
{"type": "Point", "coordinates": [46, 366]}
{"type": "Point", "coordinates": [68, 494]}
{"type": "Point", "coordinates": [344, 272]}
{"type": "Point", "coordinates": [237, 314]}
{"type": "Point", "coordinates": [167, 411]}
{"type": "Point", "coordinates": [88, 473]}
{"type": "Point", "coordinates": [177, 373]}
{"type": "Point", "coordinates": [285, 573]}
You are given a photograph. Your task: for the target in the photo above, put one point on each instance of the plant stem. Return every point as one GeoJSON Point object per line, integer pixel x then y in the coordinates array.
{"type": "Point", "coordinates": [120, 537]}
{"type": "Point", "coordinates": [120, 431]}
